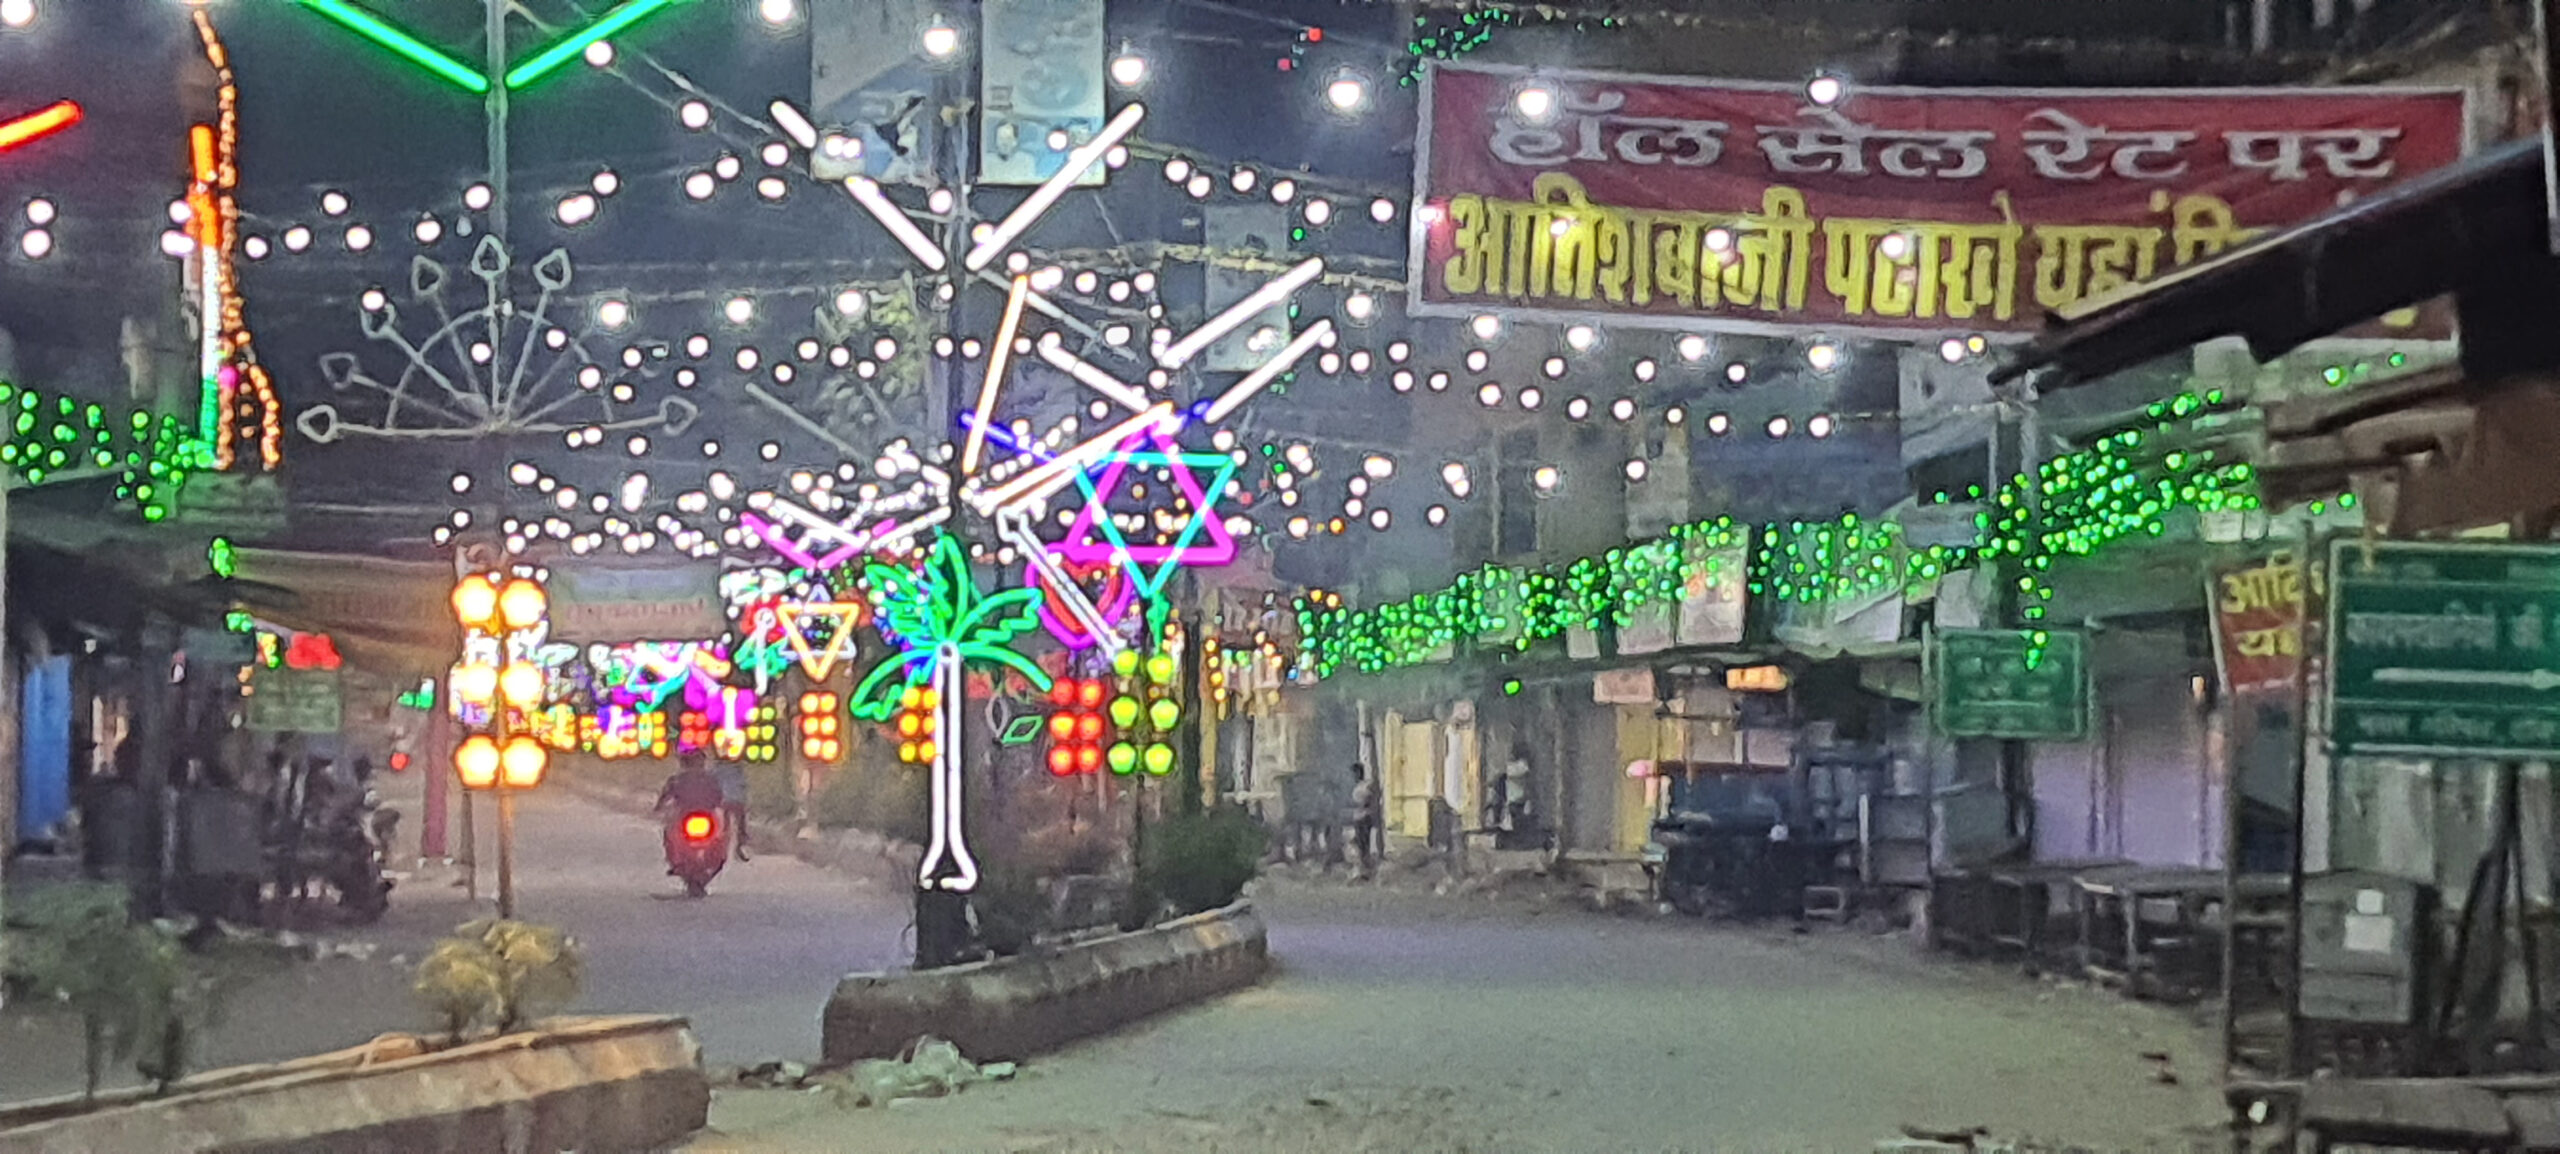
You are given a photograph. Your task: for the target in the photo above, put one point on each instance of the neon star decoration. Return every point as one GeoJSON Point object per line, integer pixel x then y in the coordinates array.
{"type": "Point", "coordinates": [37, 125]}
{"type": "Point", "coordinates": [938, 615]}
{"type": "Point", "coordinates": [443, 65]}
{"type": "Point", "coordinates": [1151, 567]}
{"type": "Point", "coordinates": [846, 616]}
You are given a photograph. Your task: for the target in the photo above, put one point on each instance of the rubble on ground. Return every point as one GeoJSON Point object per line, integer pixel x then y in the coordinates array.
{"type": "Point", "coordinates": [931, 1068]}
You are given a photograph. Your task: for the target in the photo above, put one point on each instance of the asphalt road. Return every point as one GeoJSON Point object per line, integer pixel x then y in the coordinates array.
{"type": "Point", "coordinates": [1397, 1022]}
{"type": "Point", "coordinates": [1410, 1023]}
{"type": "Point", "coordinates": [751, 964]}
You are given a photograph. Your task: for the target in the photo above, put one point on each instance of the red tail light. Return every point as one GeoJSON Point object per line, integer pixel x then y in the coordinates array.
{"type": "Point", "coordinates": [698, 827]}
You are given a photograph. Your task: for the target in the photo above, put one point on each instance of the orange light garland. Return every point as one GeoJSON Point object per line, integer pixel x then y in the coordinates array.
{"type": "Point", "coordinates": [241, 403]}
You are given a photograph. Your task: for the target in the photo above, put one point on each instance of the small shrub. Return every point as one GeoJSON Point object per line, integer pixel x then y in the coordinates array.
{"type": "Point", "coordinates": [771, 796]}
{"type": "Point", "coordinates": [893, 802]}
{"type": "Point", "coordinates": [1140, 904]}
{"type": "Point", "coordinates": [1010, 903]}
{"type": "Point", "coordinates": [499, 973]}
{"type": "Point", "coordinates": [138, 995]}
{"type": "Point", "coordinates": [1199, 861]}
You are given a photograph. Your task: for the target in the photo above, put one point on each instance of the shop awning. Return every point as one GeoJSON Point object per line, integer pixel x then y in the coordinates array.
{"type": "Point", "coordinates": [2478, 222]}
{"type": "Point", "coordinates": [2457, 458]}
{"type": "Point", "coordinates": [388, 617]}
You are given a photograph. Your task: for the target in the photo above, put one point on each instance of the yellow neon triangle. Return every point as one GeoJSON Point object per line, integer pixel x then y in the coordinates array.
{"type": "Point", "coordinates": [848, 615]}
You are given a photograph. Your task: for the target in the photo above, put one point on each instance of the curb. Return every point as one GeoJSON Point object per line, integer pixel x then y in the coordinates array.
{"type": "Point", "coordinates": [1012, 1008]}
{"type": "Point", "coordinates": [620, 1083]}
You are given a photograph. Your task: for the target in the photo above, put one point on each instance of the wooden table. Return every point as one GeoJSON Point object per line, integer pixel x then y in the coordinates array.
{"type": "Point", "coordinates": [2022, 905]}
{"type": "Point", "coordinates": [2115, 944]}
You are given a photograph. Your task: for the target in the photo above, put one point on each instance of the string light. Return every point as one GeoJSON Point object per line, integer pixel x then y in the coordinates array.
{"type": "Point", "coordinates": [239, 404]}
{"type": "Point", "coordinates": [2118, 489]}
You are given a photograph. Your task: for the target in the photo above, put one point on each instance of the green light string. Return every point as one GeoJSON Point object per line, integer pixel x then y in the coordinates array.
{"type": "Point", "coordinates": [2124, 487]}
{"type": "Point", "coordinates": [151, 456]}
{"type": "Point", "coordinates": [1448, 38]}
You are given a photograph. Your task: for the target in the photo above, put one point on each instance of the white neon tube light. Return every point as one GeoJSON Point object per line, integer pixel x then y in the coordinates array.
{"type": "Point", "coordinates": [1085, 156]}
{"type": "Point", "coordinates": [1261, 378]}
{"type": "Point", "coordinates": [1181, 351]}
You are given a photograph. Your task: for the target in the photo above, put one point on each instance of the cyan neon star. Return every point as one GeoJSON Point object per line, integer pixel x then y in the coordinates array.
{"type": "Point", "coordinates": [1151, 567]}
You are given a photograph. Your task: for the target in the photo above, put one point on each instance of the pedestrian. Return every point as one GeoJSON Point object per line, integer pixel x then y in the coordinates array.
{"type": "Point", "coordinates": [1368, 807]}
{"type": "Point", "coordinates": [733, 803]}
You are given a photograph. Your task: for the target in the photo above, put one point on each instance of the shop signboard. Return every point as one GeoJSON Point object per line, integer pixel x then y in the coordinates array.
{"type": "Point", "coordinates": [1040, 67]}
{"type": "Point", "coordinates": [2010, 683]}
{"type": "Point", "coordinates": [1647, 630]}
{"type": "Point", "coordinates": [1259, 228]}
{"type": "Point", "coordinates": [294, 701]}
{"type": "Point", "coordinates": [246, 503]}
{"type": "Point", "coordinates": [596, 604]}
{"type": "Point", "coordinates": [2257, 610]}
{"type": "Point", "coordinates": [1711, 595]}
{"type": "Point", "coordinates": [1890, 212]}
{"type": "Point", "coordinates": [2444, 650]}
{"type": "Point", "coordinates": [1624, 687]}
{"type": "Point", "coordinates": [870, 85]}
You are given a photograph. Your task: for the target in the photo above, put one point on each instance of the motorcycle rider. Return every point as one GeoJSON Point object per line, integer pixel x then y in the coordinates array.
{"type": "Point", "coordinates": [693, 788]}
{"type": "Point", "coordinates": [733, 802]}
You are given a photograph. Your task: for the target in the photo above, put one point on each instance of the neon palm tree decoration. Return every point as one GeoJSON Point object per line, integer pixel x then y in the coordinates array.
{"type": "Point", "coordinates": [943, 621]}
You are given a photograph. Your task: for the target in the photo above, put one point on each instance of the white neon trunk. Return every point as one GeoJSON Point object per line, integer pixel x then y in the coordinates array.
{"type": "Point", "coordinates": [948, 841]}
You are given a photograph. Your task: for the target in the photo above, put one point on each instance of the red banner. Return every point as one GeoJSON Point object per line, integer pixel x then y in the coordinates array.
{"type": "Point", "coordinates": [1904, 212]}
{"type": "Point", "coordinates": [2258, 609]}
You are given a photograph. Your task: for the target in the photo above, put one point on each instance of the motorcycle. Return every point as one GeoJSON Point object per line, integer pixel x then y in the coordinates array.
{"type": "Point", "coordinates": [343, 846]}
{"type": "Point", "coordinates": [697, 848]}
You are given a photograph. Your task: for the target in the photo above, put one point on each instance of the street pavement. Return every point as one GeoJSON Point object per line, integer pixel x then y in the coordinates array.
{"type": "Point", "coordinates": [751, 964]}
{"type": "Point", "coordinates": [1397, 1021]}
{"type": "Point", "coordinates": [1407, 1022]}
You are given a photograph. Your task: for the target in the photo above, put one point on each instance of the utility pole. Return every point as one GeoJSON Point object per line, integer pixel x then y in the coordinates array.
{"type": "Point", "coordinates": [494, 115]}
{"type": "Point", "coordinates": [942, 915]}
{"type": "Point", "coordinates": [496, 107]}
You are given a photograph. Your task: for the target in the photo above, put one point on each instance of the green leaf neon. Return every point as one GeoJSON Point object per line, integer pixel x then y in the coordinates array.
{"type": "Point", "coordinates": [1038, 678]}
{"type": "Point", "coordinates": [630, 13]}
{"type": "Point", "coordinates": [418, 52]}
{"type": "Point", "coordinates": [1021, 732]}
{"type": "Point", "coordinates": [870, 701]}
{"type": "Point", "coordinates": [938, 604]}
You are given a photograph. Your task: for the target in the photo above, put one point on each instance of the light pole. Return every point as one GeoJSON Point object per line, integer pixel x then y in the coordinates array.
{"type": "Point", "coordinates": [499, 615]}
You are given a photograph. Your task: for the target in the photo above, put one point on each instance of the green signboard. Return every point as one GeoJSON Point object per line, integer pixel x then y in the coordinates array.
{"type": "Point", "coordinates": [2011, 683]}
{"type": "Point", "coordinates": [2444, 650]}
{"type": "Point", "coordinates": [295, 701]}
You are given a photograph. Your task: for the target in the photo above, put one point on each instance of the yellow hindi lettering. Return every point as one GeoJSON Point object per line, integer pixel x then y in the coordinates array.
{"type": "Point", "coordinates": [2265, 587]}
{"type": "Point", "coordinates": [2082, 260]}
{"type": "Point", "coordinates": [1475, 247]}
{"type": "Point", "coordinates": [1565, 261]}
{"type": "Point", "coordinates": [1849, 265]}
{"type": "Point", "coordinates": [1765, 259]}
{"type": "Point", "coordinates": [1976, 266]}
{"type": "Point", "coordinates": [2273, 641]}
{"type": "Point", "coordinates": [2200, 225]}
{"type": "Point", "coordinates": [1923, 268]}
{"type": "Point", "coordinates": [1563, 246]}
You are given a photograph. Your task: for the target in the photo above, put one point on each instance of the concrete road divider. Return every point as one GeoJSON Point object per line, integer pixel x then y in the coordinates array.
{"type": "Point", "coordinates": [587, 1084]}
{"type": "Point", "coordinates": [1012, 1008]}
